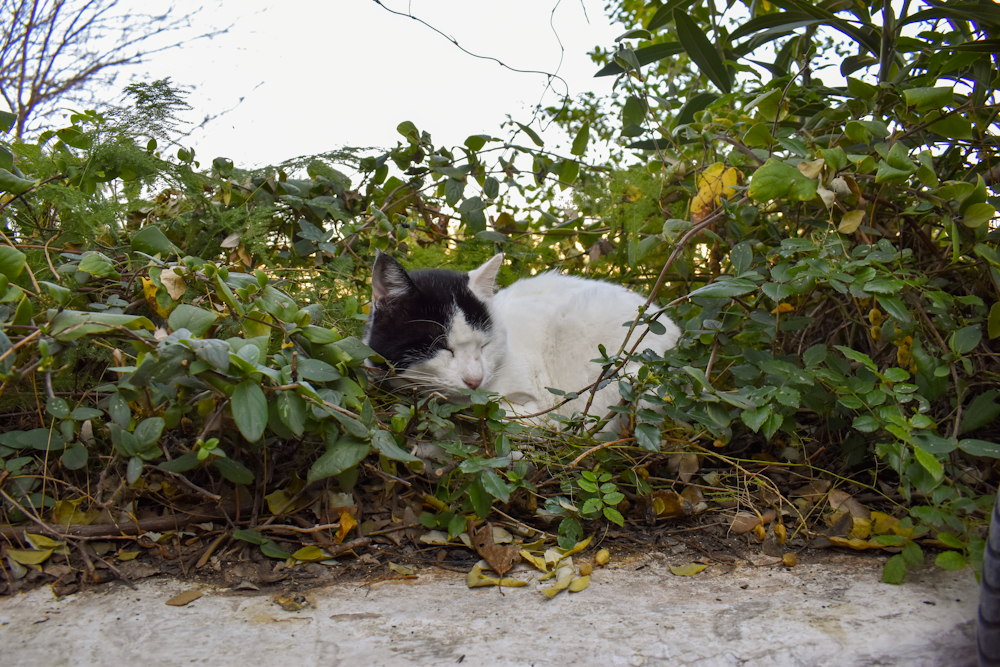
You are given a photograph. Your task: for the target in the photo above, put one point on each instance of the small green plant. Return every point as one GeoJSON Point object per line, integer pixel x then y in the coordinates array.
{"type": "Point", "coordinates": [600, 497]}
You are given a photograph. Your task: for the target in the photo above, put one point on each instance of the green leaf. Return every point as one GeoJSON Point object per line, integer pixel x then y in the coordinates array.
{"type": "Point", "coordinates": [495, 486]}
{"type": "Point", "coordinates": [756, 418]}
{"type": "Point", "coordinates": [346, 453]}
{"type": "Point", "coordinates": [15, 185]}
{"type": "Point", "coordinates": [234, 471]}
{"type": "Point", "coordinates": [913, 554]}
{"type": "Point", "coordinates": [580, 142]}
{"type": "Point", "coordinates": [150, 240]}
{"type": "Point", "coordinates": [665, 13]}
{"type": "Point", "coordinates": [701, 51]}
{"type": "Point", "coordinates": [531, 133]}
{"type": "Point", "coordinates": [977, 214]}
{"type": "Point", "coordinates": [292, 411]}
{"type": "Point", "coordinates": [644, 56]}
{"type": "Point", "coordinates": [134, 470]}
{"type": "Point", "coordinates": [249, 535]}
{"type": "Point", "coordinates": [57, 407]}
{"type": "Point", "coordinates": [74, 457]}
{"type": "Point", "coordinates": [613, 515]}
{"type": "Point", "coordinates": [71, 324]}
{"type": "Point", "coordinates": [196, 320]}
{"type": "Point", "coordinates": [647, 436]}
{"type": "Point", "coordinates": [894, 307]}
{"type": "Point", "coordinates": [950, 560]}
{"type": "Point", "coordinates": [965, 339]}
{"type": "Point", "coordinates": [861, 357]}
{"type": "Point", "coordinates": [894, 570]}
{"type": "Point", "coordinates": [271, 549]}
{"type": "Point", "coordinates": [725, 288]}
{"type": "Point", "coordinates": [981, 411]}
{"type": "Point", "coordinates": [993, 325]}
{"type": "Point", "coordinates": [317, 370]}
{"type": "Point", "coordinates": [980, 448]}
{"type": "Point", "coordinates": [182, 463]}
{"type": "Point", "coordinates": [387, 447]}
{"type": "Point", "coordinates": [97, 264]}
{"type": "Point", "coordinates": [929, 98]}
{"type": "Point", "coordinates": [929, 462]}
{"type": "Point", "coordinates": [11, 261]}
{"type": "Point", "coordinates": [7, 120]}
{"type": "Point", "coordinates": [866, 423]}
{"type": "Point", "coordinates": [148, 431]}
{"type": "Point", "coordinates": [779, 180]}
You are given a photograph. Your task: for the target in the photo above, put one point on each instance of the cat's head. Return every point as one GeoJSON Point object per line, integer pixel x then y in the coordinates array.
{"type": "Point", "coordinates": [436, 327]}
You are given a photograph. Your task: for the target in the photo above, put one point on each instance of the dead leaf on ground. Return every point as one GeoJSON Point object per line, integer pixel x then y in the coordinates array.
{"type": "Point", "coordinates": [602, 557]}
{"type": "Point", "coordinates": [476, 578]}
{"type": "Point", "coordinates": [667, 503]}
{"type": "Point", "coordinates": [813, 491]}
{"type": "Point", "coordinates": [184, 598]}
{"type": "Point", "coordinates": [688, 570]}
{"type": "Point", "coordinates": [499, 558]}
{"type": "Point", "coordinates": [434, 537]}
{"type": "Point", "coordinates": [845, 502]}
{"type": "Point", "coordinates": [400, 569]}
{"type": "Point", "coordinates": [347, 524]}
{"type": "Point", "coordinates": [856, 544]}
{"type": "Point", "coordinates": [291, 602]}
{"type": "Point", "coordinates": [841, 527]}
{"type": "Point", "coordinates": [564, 577]}
{"type": "Point", "coordinates": [579, 584]}
{"type": "Point", "coordinates": [744, 522]}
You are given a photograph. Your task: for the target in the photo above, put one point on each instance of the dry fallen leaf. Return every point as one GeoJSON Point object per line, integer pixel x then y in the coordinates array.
{"type": "Point", "coordinates": [174, 283]}
{"type": "Point", "coordinates": [843, 501]}
{"type": "Point", "coordinates": [856, 544]}
{"type": "Point", "coordinates": [579, 584]}
{"type": "Point", "coordinates": [813, 491]}
{"type": "Point", "coordinates": [500, 559]}
{"type": "Point", "coordinates": [347, 523]}
{"type": "Point", "coordinates": [564, 577]}
{"type": "Point", "coordinates": [669, 503]}
{"type": "Point", "coordinates": [744, 522]}
{"type": "Point", "coordinates": [476, 578]}
{"type": "Point", "coordinates": [688, 570]}
{"type": "Point", "coordinates": [401, 569]}
{"type": "Point", "coordinates": [184, 598]}
{"type": "Point", "coordinates": [602, 557]}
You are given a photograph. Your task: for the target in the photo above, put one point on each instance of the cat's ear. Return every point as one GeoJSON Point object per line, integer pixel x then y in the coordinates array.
{"type": "Point", "coordinates": [389, 280]}
{"type": "Point", "coordinates": [482, 281]}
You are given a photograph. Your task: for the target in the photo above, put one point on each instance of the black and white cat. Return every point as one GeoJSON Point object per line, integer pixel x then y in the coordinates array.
{"type": "Point", "coordinates": [444, 331]}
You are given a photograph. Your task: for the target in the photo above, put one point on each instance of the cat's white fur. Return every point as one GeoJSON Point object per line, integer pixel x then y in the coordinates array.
{"type": "Point", "coordinates": [546, 330]}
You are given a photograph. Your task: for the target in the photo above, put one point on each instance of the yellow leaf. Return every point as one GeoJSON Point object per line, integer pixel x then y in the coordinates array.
{"type": "Point", "coordinates": [149, 290]}
{"type": "Point", "coordinates": [42, 542]}
{"type": "Point", "coordinates": [779, 533]}
{"type": "Point", "coordinates": [25, 557]}
{"type": "Point", "coordinates": [688, 570]}
{"type": "Point", "coordinates": [564, 577]}
{"type": "Point", "coordinates": [579, 584]}
{"type": "Point", "coordinates": [862, 529]}
{"type": "Point", "coordinates": [602, 557]}
{"type": "Point", "coordinates": [790, 560]}
{"type": "Point", "coordinates": [783, 308]}
{"type": "Point", "coordinates": [127, 555]}
{"type": "Point", "coordinates": [65, 513]}
{"type": "Point", "coordinates": [534, 560]}
{"type": "Point", "coordinates": [714, 182]}
{"type": "Point", "coordinates": [311, 553]}
{"type": "Point", "coordinates": [579, 546]}
{"type": "Point", "coordinates": [856, 544]}
{"type": "Point", "coordinates": [347, 524]}
{"type": "Point", "coordinates": [276, 500]}
{"type": "Point", "coordinates": [400, 569]}
{"type": "Point", "coordinates": [851, 221]}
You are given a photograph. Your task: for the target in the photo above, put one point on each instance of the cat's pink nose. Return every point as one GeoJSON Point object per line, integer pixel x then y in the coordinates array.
{"type": "Point", "coordinates": [472, 383]}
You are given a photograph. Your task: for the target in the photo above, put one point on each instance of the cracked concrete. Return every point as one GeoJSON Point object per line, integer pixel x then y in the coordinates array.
{"type": "Point", "coordinates": [816, 615]}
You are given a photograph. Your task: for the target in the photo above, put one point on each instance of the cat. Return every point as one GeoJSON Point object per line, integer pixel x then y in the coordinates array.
{"type": "Point", "coordinates": [446, 331]}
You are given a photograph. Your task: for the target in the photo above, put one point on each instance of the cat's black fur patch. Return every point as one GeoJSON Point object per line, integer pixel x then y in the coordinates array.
{"type": "Point", "coordinates": [410, 327]}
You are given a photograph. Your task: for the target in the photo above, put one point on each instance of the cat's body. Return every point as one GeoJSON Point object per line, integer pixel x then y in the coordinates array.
{"type": "Point", "coordinates": [446, 331]}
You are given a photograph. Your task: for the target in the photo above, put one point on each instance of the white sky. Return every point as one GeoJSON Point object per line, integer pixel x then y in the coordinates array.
{"type": "Point", "coordinates": [316, 76]}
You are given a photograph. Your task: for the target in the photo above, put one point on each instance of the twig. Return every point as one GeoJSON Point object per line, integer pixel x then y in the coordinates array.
{"type": "Point", "coordinates": [598, 447]}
